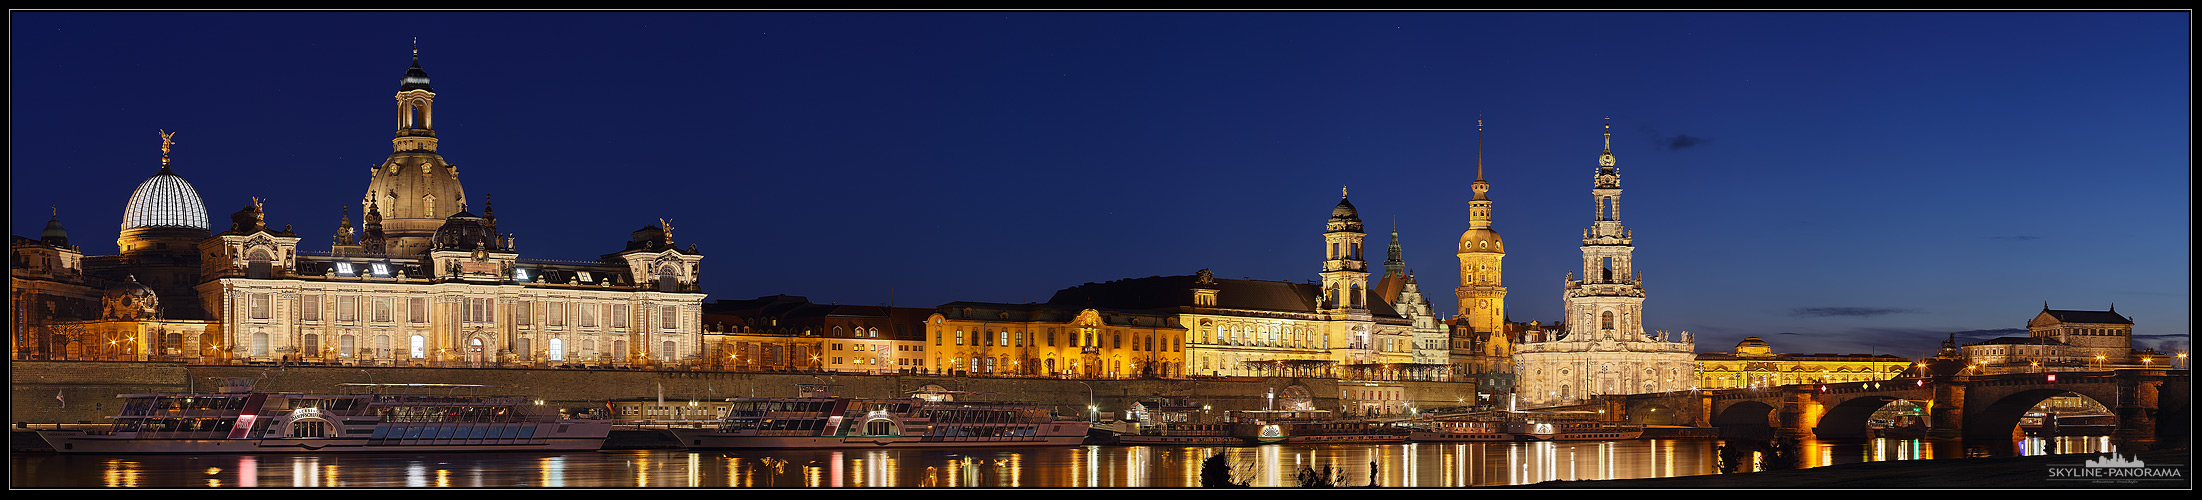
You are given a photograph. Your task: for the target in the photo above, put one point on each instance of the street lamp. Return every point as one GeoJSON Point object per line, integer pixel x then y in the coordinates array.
{"type": "Point", "coordinates": [1091, 410]}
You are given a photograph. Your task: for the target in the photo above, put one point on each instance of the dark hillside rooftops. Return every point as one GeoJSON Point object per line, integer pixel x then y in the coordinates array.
{"type": "Point", "coordinates": [1174, 292]}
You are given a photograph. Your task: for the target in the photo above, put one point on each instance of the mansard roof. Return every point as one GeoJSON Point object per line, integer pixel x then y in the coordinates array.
{"type": "Point", "coordinates": [2065, 316]}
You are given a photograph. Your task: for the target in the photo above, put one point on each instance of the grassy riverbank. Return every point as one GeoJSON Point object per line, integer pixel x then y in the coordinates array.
{"type": "Point", "coordinates": [1970, 473]}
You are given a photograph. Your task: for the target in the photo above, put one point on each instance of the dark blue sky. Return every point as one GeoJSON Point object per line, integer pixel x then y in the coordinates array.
{"type": "Point", "coordinates": [1832, 182]}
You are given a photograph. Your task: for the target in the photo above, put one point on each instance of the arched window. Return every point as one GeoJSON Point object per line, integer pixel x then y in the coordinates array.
{"type": "Point", "coordinates": [260, 344]}
{"type": "Point", "coordinates": [671, 351]}
{"type": "Point", "coordinates": [1605, 321]}
{"type": "Point", "coordinates": [257, 264]}
{"type": "Point", "coordinates": [668, 278]}
{"type": "Point", "coordinates": [420, 347]}
{"type": "Point", "coordinates": [557, 349]}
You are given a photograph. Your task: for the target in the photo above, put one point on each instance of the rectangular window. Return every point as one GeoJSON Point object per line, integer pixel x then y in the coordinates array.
{"type": "Point", "coordinates": [555, 314]}
{"type": "Point", "coordinates": [344, 345]}
{"type": "Point", "coordinates": [343, 269]}
{"type": "Point", "coordinates": [619, 315]}
{"type": "Point", "coordinates": [313, 344]}
{"type": "Point", "coordinates": [309, 307]}
{"type": "Point", "coordinates": [381, 270]}
{"type": "Point", "coordinates": [588, 315]}
{"type": "Point", "coordinates": [347, 308]}
{"type": "Point", "coordinates": [521, 313]}
{"type": "Point", "coordinates": [420, 347]}
{"type": "Point", "coordinates": [418, 312]}
{"type": "Point", "coordinates": [959, 337]}
{"type": "Point", "coordinates": [259, 305]}
{"type": "Point", "coordinates": [584, 276]}
{"type": "Point", "coordinates": [382, 309]}
{"type": "Point", "coordinates": [670, 319]}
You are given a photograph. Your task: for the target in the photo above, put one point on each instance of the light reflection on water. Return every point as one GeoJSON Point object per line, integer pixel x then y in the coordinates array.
{"type": "Point", "coordinates": [1423, 465]}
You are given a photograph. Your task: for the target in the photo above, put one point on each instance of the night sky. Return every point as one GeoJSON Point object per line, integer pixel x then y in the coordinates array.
{"type": "Point", "coordinates": [1831, 182]}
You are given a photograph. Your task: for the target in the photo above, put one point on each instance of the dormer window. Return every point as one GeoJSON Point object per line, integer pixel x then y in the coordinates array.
{"type": "Point", "coordinates": [519, 274]}
{"type": "Point", "coordinates": [344, 269]}
{"type": "Point", "coordinates": [381, 270]}
{"type": "Point", "coordinates": [584, 276]}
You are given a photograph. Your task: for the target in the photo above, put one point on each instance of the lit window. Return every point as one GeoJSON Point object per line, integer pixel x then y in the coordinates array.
{"type": "Point", "coordinates": [381, 269]}
{"type": "Point", "coordinates": [344, 268]}
{"type": "Point", "coordinates": [519, 274]}
{"type": "Point", "coordinates": [584, 276]}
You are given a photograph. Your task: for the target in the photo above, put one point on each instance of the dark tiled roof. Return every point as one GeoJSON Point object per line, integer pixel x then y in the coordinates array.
{"type": "Point", "coordinates": [2018, 341]}
{"type": "Point", "coordinates": [2111, 317]}
{"type": "Point", "coordinates": [1172, 292]}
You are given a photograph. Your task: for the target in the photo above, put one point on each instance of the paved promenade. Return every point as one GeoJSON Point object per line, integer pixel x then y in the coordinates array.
{"type": "Point", "coordinates": [1968, 473]}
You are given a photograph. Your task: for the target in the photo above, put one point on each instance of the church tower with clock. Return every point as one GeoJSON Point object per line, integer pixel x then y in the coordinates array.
{"type": "Point", "coordinates": [1482, 253]}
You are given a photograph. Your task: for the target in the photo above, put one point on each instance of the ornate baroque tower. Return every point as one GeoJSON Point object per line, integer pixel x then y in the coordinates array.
{"type": "Point", "coordinates": [1482, 254]}
{"type": "Point", "coordinates": [415, 188]}
{"type": "Point", "coordinates": [1345, 275]}
{"type": "Point", "coordinates": [1603, 349]}
{"type": "Point", "coordinates": [1608, 303]}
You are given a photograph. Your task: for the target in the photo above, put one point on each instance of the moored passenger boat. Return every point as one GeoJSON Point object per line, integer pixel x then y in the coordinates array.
{"type": "Point", "coordinates": [390, 418]}
{"type": "Point", "coordinates": [1567, 426]}
{"type": "Point", "coordinates": [1459, 430]}
{"type": "Point", "coordinates": [1309, 427]}
{"type": "Point", "coordinates": [926, 420]}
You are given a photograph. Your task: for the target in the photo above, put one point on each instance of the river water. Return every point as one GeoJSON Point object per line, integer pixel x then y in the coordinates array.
{"type": "Point", "coordinates": [1425, 465]}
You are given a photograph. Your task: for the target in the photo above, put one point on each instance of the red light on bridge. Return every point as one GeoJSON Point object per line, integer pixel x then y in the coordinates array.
{"type": "Point", "coordinates": [2052, 377]}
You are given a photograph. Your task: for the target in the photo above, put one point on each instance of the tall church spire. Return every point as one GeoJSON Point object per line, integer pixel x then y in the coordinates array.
{"type": "Point", "coordinates": [1482, 291]}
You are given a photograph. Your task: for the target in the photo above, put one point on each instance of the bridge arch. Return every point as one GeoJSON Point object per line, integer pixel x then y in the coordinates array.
{"type": "Point", "coordinates": [1746, 420]}
{"type": "Point", "coordinates": [1848, 419]}
{"type": "Point", "coordinates": [1995, 421]}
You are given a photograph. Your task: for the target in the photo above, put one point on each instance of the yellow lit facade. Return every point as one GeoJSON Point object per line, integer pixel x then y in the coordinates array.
{"type": "Point", "coordinates": [1754, 364]}
{"type": "Point", "coordinates": [1043, 340]}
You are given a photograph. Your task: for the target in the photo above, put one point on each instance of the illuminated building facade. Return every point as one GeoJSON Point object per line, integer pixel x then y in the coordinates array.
{"type": "Point", "coordinates": [1051, 340]}
{"type": "Point", "coordinates": [1604, 349]}
{"type": "Point", "coordinates": [791, 333]}
{"type": "Point", "coordinates": [432, 285]}
{"type": "Point", "coordinates": [1273, 328]}
{"type": "Point", "coordinates": [2059, 339]}
{"type": "Point", "coordinates": [1754, 364]}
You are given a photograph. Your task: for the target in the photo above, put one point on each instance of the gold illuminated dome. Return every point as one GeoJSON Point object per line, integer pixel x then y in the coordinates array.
{"type": "Point", "coordinates": [165, 201]}
{"type": "Point", "coordinates": [1481, 241]}
{"type": "Point", "coordinates": [1752, 346]}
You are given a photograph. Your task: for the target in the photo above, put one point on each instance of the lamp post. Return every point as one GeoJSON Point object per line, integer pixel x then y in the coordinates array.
{"type": "Point", "coordinates": [1091, 410]}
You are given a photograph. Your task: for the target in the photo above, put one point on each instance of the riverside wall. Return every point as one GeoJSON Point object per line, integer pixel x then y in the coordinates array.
{"type": "Point", "coordinates": [88, 388]}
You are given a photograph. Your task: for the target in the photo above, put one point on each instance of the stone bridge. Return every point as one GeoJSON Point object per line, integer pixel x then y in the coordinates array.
{"type": "Point", "coordinates": [2150, 405]}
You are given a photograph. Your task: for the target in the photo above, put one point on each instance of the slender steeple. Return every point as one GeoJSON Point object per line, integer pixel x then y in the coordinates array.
{"type": "Point", "coordinates": [344, 226]}
{"type": "Point", "coordinates": [1392, 263]}
{"type": "Point", "coordinates": [1482, 290]}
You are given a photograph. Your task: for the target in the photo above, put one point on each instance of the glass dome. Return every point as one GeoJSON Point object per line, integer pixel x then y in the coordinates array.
{"type": "Point", "coordinates": [165, 201]}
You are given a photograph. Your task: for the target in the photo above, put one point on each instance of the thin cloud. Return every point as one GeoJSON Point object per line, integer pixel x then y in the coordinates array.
{"type": "Point", "coordinates": [1683, 141]}
{"type": "Point", "coordinates": [1855, 312]}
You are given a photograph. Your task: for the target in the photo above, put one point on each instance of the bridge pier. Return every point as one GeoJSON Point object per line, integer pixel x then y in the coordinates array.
{"type": "Point", "coordinates": [1946, 412]}
{"type": "Point", "coordinates": [2137, 407]}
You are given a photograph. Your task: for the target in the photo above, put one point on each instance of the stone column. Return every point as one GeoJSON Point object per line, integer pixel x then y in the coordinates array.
{"type": "Point", "coordinates": [2137, 399]}
{"type": "Point", "coordinates": [1946, 412]}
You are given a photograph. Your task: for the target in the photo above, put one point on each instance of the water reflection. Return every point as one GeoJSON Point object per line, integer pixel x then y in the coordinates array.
{"type": "Point", "coordinates": [1423, 465]}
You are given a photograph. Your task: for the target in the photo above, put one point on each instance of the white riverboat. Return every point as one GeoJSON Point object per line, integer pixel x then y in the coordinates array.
{"type": "Point", "coordinates": [1567, 426]}
{"type": "Point", "coordinates": [409, 418]}
{"type": "Point", "coordinates": [925, 420]}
